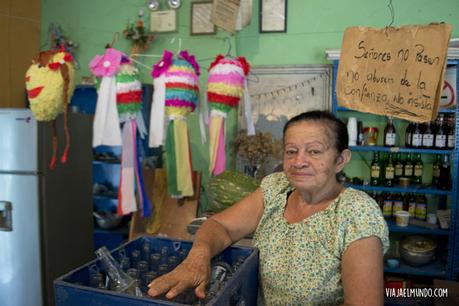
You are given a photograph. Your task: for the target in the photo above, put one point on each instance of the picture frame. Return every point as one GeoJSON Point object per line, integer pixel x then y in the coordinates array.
{"type": "Point", "coordinates": [277, 93]}
{"type": "Point", "coordinates": [200, 19]}
{"type": "Point", "coordinates": [273, 16]}
{"type": "Point", "coordinates": [163, 21]}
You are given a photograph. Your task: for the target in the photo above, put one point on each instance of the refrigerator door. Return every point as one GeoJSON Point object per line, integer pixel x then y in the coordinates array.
{"type": "Point", "coordinates": [20, 262]}
{"type": "Point", "coordinates": [18, 141]}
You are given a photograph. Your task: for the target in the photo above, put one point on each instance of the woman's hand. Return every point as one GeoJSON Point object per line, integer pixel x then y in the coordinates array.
{"type": "Point", "coordinates": [194, 272]}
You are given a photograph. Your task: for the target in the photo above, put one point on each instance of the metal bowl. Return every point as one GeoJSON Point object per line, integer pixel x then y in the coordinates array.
{"type": "Point", "coordinates": [417, 250]}
{"type": "Point", "coordinates": [107, 220]}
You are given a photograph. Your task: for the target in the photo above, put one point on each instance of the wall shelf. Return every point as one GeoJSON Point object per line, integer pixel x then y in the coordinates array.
{"type": "Point", "coordinates": [397, 150]}
{"type": "Point", "coordinates": [411, 189]}
{"type": "Point", "coordinates": [436, 269]}
{"type": "Point", "coordinates": [412, 229]}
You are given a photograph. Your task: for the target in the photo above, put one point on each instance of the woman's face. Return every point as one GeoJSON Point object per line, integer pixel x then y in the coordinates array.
{"type": "Point", "coordinates": [310, 158]}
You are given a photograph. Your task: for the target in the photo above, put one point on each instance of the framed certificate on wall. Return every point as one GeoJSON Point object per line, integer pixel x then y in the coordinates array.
{"type": "Point", "coordinates": [201, 13]}
{"type": "Point", "coordinates": [273, 16]}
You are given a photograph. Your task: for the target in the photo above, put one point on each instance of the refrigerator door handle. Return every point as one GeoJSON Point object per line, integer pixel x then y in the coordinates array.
{"type": "Point", "coordinates": [6, 216]}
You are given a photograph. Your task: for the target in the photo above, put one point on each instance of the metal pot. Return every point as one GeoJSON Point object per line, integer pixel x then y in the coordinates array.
{"type": "Point", "coordinates": [107, 220]}
{"type": "Point", "coordinates": [417, 250]}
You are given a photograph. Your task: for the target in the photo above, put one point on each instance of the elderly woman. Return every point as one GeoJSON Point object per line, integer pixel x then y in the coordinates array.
{"type": "Point", "coordinates": [320, 243]}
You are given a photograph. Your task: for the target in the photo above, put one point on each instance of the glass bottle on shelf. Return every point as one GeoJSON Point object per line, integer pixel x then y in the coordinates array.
{"type": "Point", "coordinates": [436, 170]}
{"type": "Point", "coordinates": [418, 169]}
{"type": "Point", "coordinates": [440, 133]}
{"type": "Point", "coordinates": [360, 134]}
{"type": "Point", "coordinates": [421, 207]}
{"type": "Point", "coordinates": [397, 203]}
{"type": "Point", "coordinates": [398, 167]}
{"type": "Point", "coordinates": [408, 134]}
{"type": "Point", "coordinates": [416, 137]}
{"type": "Point", "coordinates": [390, 134]}
{"type": "Point", "coordinates": [387, 205]}
{"type": "Point", "coordinates": [444, 181]}
{"type": "Point", "coordinates": [412, 205]}
{"type": "Point", "coordinates": [451, 139]}
{"type": "Point", "coordinates": [408, 167]}
{"type": "Point", "coordinates": [375, 174]}
{"type": "Point", "coordinates": [389, 172]}
{"type": "Point", "coordinates": [428, 136]}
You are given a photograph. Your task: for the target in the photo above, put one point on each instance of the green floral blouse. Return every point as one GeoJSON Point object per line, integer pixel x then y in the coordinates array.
{"type": "Point", "coordinates": [300, 263]}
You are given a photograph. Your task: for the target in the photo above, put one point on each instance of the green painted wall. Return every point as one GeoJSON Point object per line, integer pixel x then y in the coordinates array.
{"type": "Point", "coordinates": [313, 26]}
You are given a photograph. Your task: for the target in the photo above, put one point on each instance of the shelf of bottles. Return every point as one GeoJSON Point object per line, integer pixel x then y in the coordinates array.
{"type": "Point", "coordinates": [396, 176]}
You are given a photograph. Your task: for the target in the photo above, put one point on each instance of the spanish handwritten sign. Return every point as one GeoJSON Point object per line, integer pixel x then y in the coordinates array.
{"type": "Point", "coordinates": [393, 71]}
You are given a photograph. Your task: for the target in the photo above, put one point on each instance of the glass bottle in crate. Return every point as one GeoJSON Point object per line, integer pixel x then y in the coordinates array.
{"type": "Point", "coordinates": [120, 281]}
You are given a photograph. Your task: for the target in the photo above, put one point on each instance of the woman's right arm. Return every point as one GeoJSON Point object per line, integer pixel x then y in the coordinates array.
{"type": "Point", "coordinates": [214, 235]}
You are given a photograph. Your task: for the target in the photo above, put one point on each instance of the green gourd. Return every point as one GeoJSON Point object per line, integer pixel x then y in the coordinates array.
{"type": "Point", "coordinates": [228, 188]}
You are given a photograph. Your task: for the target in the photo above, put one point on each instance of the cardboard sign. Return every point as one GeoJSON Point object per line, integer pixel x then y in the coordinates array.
{"type": "Point", "coordinates": [395, 72]}
{"type": "Point", "coordinates": [224, 14]}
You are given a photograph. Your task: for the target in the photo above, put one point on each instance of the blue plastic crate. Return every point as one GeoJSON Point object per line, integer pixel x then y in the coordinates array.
{"type": "Point", "coordinates": [241, 288]}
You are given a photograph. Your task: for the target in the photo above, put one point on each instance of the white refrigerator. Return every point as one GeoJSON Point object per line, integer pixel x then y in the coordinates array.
{"type": "Point", "coordinates": [46, 225]}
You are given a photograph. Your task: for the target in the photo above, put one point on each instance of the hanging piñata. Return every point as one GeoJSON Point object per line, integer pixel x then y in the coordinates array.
{"type": "Point", "coordinates": [120, 102]}
{"type": "Point", "coordinates": [176, 94]}
{"type": "Point", "coordinates": [50, 82]}
{"type": "Point", "coordinates": [226, 85]}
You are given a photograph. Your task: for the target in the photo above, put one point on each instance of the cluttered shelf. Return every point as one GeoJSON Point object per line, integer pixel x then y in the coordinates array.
{"type": "Point", "coordinates": [409, 189]}
{"type": "Point", "coordinates": [398, 149]}
{"type": "Point", "coordinates": [441, 110]}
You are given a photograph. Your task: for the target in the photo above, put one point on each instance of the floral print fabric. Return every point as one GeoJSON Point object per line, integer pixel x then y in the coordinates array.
{"type": "Point", "coordinates": [300, 263]}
